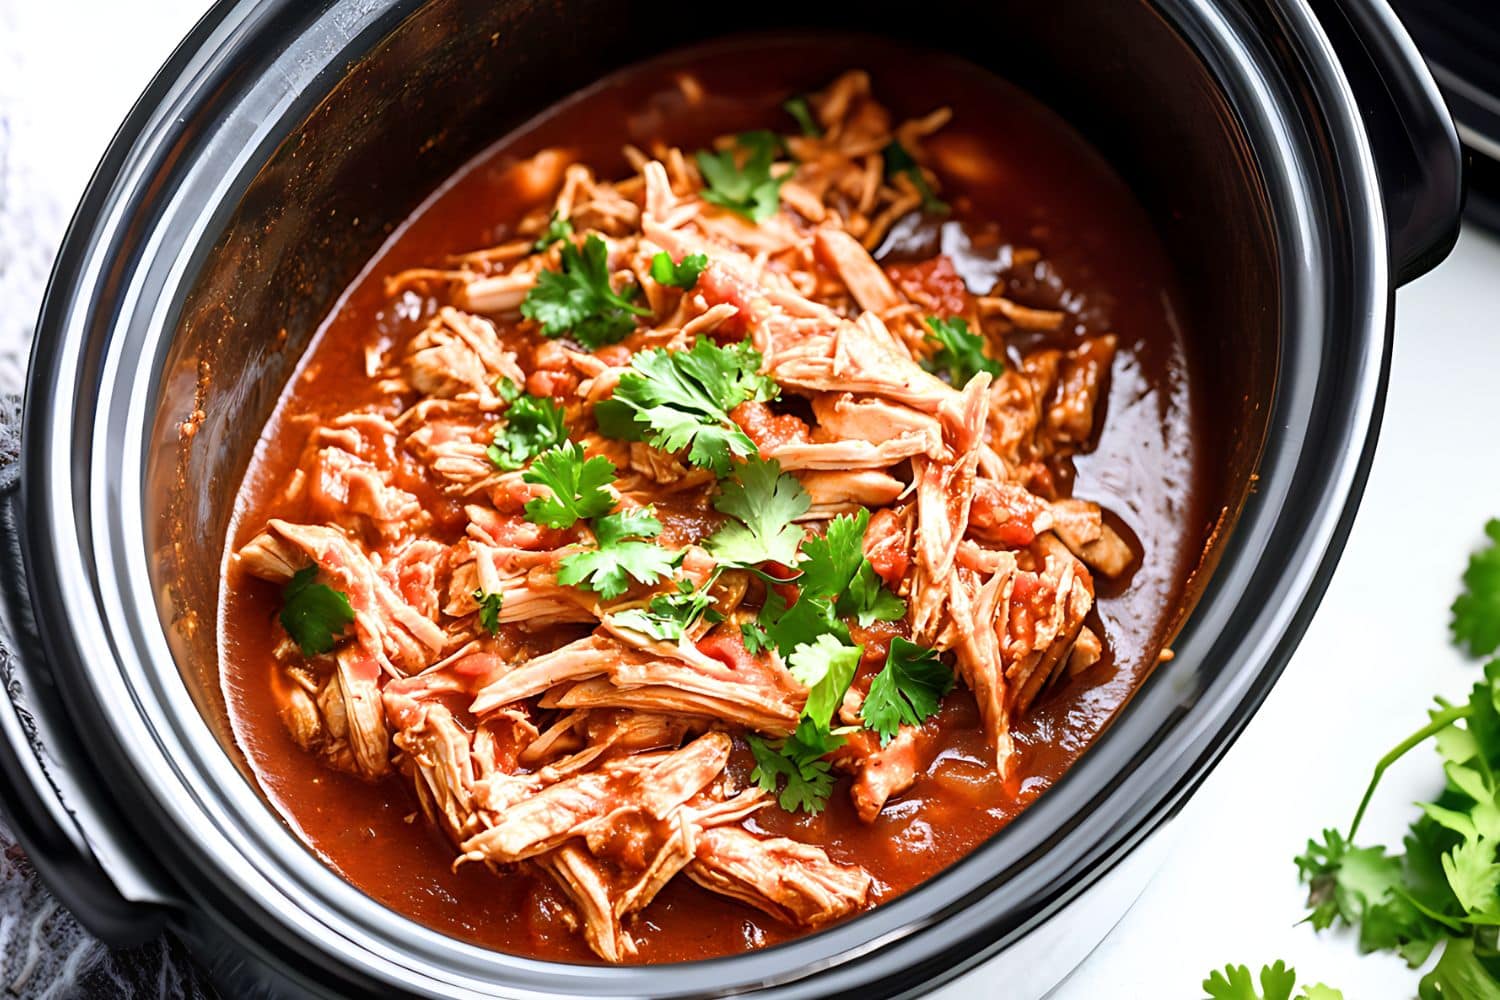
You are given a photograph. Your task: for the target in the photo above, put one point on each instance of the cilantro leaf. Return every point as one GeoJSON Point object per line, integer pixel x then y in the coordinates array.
{"type": "Point", "coordinates": [797, 760]}
{"type": "Point", "coordinates": [908, 689]}
{"type": "Point", "coordinates": [670, 617]}
{"type": "Point", "coordinates": [1277, 982]}
{"type": "Point", "coordinates": [835, 567]}
{"type": "Point", "coordinates": [763, 503]}
{"type": "Point", "coordinates": [532, 425]}
{"type": "Point", "coordinates": [960, 354]}
{"type": "Point", "coordinates": [806, 620]}
{"type": "Point", "coordinates": [743, 185]}
{"type": "Point", "coordinates": [558, 228]}
{"type": "Point", "coordinates": [682, 275]}
{"type": "Point", "coordinates": [489, 610]}
{"type": "Point", "coordinates": [577, 485]}
{"type": "Point", "coordinates": [1459, 975]}
{"type": "Point", "coordinates": [681, 400]}
{"type": "Point", "coordinates": [314, 614]}
{"type": "Point", "coordinates": [579, 300]}
{"type": "Point", "coordinates": [898, 160]}
{"type": "Point", "coordinates": [1476, 612]}
{"type": "Point", "coordinates": [825, 667]}
{"type": "Point", "coordinates": [798, 108]}
{"type": "Point", "coordinates": [608, 568]}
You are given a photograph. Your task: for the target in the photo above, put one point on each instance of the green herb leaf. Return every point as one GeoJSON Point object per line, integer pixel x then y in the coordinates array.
{"type": "Point", "coordinates": [798, 108]}
{"type": "Point", "coordinates": [532, 425]}
{"type": "Point", "coordinates": [681, 400]}
{"type": "Point", "coordinates": [489, 610]}
{"type": "Point", "coordinates": [579, 300]}
{"type": "Point", "coordinates": [1277, 982]}
{"type": "Point", "coordinates": [908, 690]}
{"type": "Point", "coordinates": [835, 567]}
{"type": "Point", "coordinates": [577, 485]}
{"type": "Point", "coordinates": [798, 762]}
{"type": "Point", "coordinates": [898, 160]}
{"type": "Point", "coordinates": [1476, 612]}
{"type": "Point", "coordinates": [670, 617]}
{"type": "Point", "coordinates": [825, 667]}
{"type": "Point", "coordinates": [608, 568]}
{"type": "Point", "coordinates": [314, 614]}
{"type": "Point", "coordinates": [1460, 974]}
{"type": "Point", "coordinates": [960, 354]}
{"type": "Point", "coordinates": [763, 503]}
{"type": "Point", "coordinates": [744, 184]}
{"type": "Point", "coordinates": [558, 228]}
{"type": "Point", "coordinates": [682, 275]}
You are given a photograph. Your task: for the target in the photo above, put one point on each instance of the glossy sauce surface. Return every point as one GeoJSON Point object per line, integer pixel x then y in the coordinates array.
{"type": "Point", "coordinates": [1025, 181]}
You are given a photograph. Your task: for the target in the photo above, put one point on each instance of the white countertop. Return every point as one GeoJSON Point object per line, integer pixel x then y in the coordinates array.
{"type": "Point", "coordinates": [1374, 656]}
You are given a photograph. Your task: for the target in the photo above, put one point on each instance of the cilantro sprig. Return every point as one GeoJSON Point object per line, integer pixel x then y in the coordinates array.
{"type": "Point", "coordinates": [907, 691]}
{"type": "Point", "coordinates": [671, 616]}
{"type": "Point", "coordinates": [489, 610]}
{"type": "Point", "coordinates": [763, 504]}
{"type": "Point", "coordinates": [740, 179]}
{"type": "Point", "coordinates": [1476, 611]}
{"type": "Point", "coordinates": [577, 484]}
{"type": "Point", "coordinates": [580, 301]}
{"type": "Point", "coordinates": [801, 113]}
{"type": "Point", "coordinates": [960, 354]}
{"type": "Point", "coordinates": [898, 160]}
{"type": "Point", "coordinates": [558, 228]}
{"type": "Point", "coordinates": [797, 766]}
{"type": "Point", "coordinates": [620, 555]}
{"type": "Point", "coordinates": [680, 401]}
{"type": "Point", "coordinates": [532, 425]}
{"type": "Point", "coordinates": [684, 274]}
{"type": "Point", "coordinates": [1277, 982]}
{"type": "Point", "coordinates": [314, 614]}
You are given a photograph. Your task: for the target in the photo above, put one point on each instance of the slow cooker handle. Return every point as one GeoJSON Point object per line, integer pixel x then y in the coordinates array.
{"type": "Point", "coordinates": [72, 835]}
{"type": "Point", "coordinates": [1412, 136]}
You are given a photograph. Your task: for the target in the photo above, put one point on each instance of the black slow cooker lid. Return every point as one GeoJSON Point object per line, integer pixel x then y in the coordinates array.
{"type": "Point", "coordinates": [1460, 40]}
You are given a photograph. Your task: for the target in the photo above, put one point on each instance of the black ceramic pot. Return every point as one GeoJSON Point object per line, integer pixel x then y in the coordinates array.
{"type": "Point", "coordinates": [1298, 164]}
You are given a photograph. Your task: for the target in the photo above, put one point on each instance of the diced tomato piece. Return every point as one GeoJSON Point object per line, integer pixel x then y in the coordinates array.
{"type": "Point", "coordinates": [768, 429]}
{"type": "Point", "coordinates": [728, 647]}
{"type": "Point", "coordinates": [885, 547]}
{"type": "Point", "coordinates": [933, 283]}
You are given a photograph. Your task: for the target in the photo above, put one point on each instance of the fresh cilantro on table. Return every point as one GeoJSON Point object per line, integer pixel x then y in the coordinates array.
{"type": "Point", "coordinates": [670, 617]}
{"type": "Point", "coordinates": [577, 485]}
{"type": "Point", "coordinates": [743, 183]}
{"type": "Point", "coordinates": [676, 400]}
{"type": "Point", "coordinates": [532, 425]}
{"type": "Point", "coordinates": [799, 761]}
{"type": "Point", "coordinates": [314, 614]}
{"type": "Point", "coordinates": [489, 610]}
{"type": "Point", "coordinates": [619, 556]}
{"type": "Point", "coordinates": [834, 566]}
{"type": "Point", "coordinates": [558, 228]}
{"type": "Point", "coordinates": [763, 504]}
{"type": "Point", "coordinates": [801, 112]}
{"type": "Point", "coordinates": [898, 160]}
{"type": "Point", "coordinates": [1276, 983]}
{"type": "Point", "coordinates": [908, 689]}
{"type": "Point", "coordinates": [684, 274]}
{"type": "Point", "coordinates": [1476, 612]}
{"type": "Point", "coordinates": [580, 301]}
{"type": "Point", "coordinates": [960, 354]}
{"type": "Point", "coordinates": [825, 667]}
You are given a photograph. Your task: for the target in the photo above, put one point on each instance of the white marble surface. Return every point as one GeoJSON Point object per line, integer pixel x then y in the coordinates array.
{"type": "Point", "coordinates": [1374, 656]}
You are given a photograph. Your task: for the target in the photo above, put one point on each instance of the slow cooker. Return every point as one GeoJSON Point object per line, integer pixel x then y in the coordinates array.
{"type": "Point", "coordinates": [1296, 159]}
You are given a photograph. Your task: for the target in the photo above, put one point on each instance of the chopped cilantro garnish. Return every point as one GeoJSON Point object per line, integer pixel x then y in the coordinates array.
{"type": "Point", "coordinates": [898, 160]}
{"type": "Point", "coordinates": [798, 760]}
{"type": "Point", "coordinates": [577, 485]}
{"type": "Point", "coordinates": [960, 354]}
{"type": "Point", "coordinates": [489, 610]}
{"type": "Point", "coordinates": [798, 108]}
{"type": "Point", "coordinates": [908, 689]}
{"type": "Point", "coordinates": [617, 558]}
{"type": "Point", "coordinates": [763, 503]}
{"type": "Point", "coordinates": [558, 228]}
{"type": "Point", "coordinates": [532, 425]}
{"type": "Point", "coordinates": [682, 275]}
{"type": "Point", "coordinates": [745, 187]}
{"type": "Point", "coordinates": [681, 400]}
{"type": "Point", "coordinates": [1476, 612]}
{"type": "Point", "coordinates": [579, 300]}
{"type": "Point", "coordinates": [835, 567]}
{"type": "Point", "coordinates": [507, 390]}
{"type": "Point", "coordinates": [314, 614]}
{"type": "Point", "coordinates": [1276, 983]}
{"type": "Point", "coordinates": [825, 667]}
{"type": "Point", "coordinates": [671, 616]}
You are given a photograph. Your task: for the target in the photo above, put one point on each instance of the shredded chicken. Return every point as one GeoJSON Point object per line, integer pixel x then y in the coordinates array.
{"type": "Point", "coordinates": [539, 725]}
